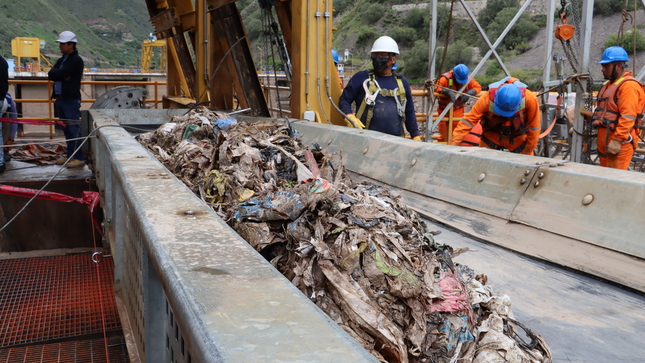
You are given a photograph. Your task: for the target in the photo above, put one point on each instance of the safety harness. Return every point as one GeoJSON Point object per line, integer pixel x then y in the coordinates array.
{"type": "Point", "coordinates": [373, 89]}
{"type": "Point", "coordinates": [606, 113]}
{"type": "Point", "coordinates": [510, 127]}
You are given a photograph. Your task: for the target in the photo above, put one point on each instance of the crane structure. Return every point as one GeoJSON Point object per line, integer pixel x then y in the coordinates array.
{"type": "Point", "coordinates": [148, 54]}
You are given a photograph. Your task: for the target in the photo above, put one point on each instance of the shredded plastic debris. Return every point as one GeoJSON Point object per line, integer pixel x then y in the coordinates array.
{"type": "Point", "coordinates": [356, 250]}
{"type": "Point", "coordinates": [37, 153]}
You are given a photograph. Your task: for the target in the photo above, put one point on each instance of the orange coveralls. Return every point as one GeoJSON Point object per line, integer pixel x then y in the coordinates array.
{"type": "Point", "coordinates": [458, 107]}
{"type": "Point", "coordinates": [630, 99]}
{"type": "Point", "coordinates": [481, 109]}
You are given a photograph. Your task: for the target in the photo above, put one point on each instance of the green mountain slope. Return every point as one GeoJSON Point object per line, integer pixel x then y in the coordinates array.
{"type": "Point", "coordinates": [109, 33]}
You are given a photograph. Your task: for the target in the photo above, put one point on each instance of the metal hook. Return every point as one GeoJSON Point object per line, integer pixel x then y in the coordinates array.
{"type": "Point", "coordinates": [97, 257]}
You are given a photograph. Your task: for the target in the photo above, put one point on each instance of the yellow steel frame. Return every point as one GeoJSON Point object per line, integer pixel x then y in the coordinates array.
{"type": "Point", "coordinates": [147, 49]}
{"type": "Point", "coordinates": [306, 27]}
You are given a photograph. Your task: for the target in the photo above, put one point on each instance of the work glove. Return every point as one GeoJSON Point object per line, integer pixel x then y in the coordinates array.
{"type": "Point", "coordinates": [449, 93]}
{"type": "Point", "coordinates": [417, 138]}
{"type": "Point", "coordinates": [357, 122]}
{"type": "Point", "coordinates": [586, 114]}
{"type": "Point", "coordinates": [614, 147]}
{"type": "Point", "coordinates": [464, 98]}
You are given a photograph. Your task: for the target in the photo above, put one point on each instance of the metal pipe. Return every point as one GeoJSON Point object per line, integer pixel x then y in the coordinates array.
{"type": "Point", "coordinates": [485, 58]}
{"type": "Point", "coordinates": [318, 25]}
{"type": "Point", "coordinates": [433, 40]}
{"type": "Point", "coordinates": [499, 39]}
{"type": "Point", "coordinates": [578, 121]}
{"type": "Point", "coordinates": [546, 75]}
{"type": "Point", "coordinates": [307, 25]}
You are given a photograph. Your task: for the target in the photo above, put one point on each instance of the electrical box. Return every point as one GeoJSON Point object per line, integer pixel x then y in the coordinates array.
{"type": "Point", "coordinates": [22, 47]}
{"type": "Point", "coordinates": [309, 115]}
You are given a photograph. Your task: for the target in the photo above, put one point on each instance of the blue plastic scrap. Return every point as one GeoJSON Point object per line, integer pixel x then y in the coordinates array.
{"type": "Point", "coordinates": [456, 334]}
{"type": "Point", "coordinates": [224, 124]}
{"type": "Point", "coordinates": [274, 206]}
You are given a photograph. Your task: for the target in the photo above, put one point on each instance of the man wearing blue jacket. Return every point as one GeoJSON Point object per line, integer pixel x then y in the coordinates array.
{"type": "Point", "coordinates": [67, 74]}
{"type": "Point", "coordinates": [382, 97]}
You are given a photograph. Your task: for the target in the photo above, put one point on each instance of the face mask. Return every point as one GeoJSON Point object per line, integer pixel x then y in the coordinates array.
{"type": "Point", "coordinates": [380, 63]}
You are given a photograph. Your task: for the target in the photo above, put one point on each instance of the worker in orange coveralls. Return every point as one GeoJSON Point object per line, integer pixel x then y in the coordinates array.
{"type": "Point", "coordinates": [509, 115]}
{"type": "Point", "coordinates": [447, 85]}
{"type": "Point", "coordinates": [620, 106]}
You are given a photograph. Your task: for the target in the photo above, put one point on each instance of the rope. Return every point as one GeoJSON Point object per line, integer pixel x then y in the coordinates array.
{"type": "Point", "coordinates": [31, 122]}
{"type": "Point", "coordinates": [576, 78]}
{"type": "Point", "coordinates": [555, 117]}
{"type": "Point", "coordinates": [627, 17]}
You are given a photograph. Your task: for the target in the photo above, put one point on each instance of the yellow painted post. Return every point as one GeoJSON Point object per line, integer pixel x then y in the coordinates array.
{"type": "Point", "coordinates": [449, 134]}
{"type": "Point", "coordinates": [315, 79]}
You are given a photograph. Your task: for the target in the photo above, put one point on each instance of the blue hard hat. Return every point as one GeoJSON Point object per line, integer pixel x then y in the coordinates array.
{"type": "Point", "coordinates": [507, 100]}
{"type": "Point", "coordinates": [461, 73]}
{"type": "Point", "coordinates": [614, 54]}
{"type": "Point", "coordinates": [334, 54]}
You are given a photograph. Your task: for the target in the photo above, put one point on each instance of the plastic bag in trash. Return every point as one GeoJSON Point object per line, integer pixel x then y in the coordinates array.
{"type": "Point", "coordinates": [320, 185]}
{"type": "Point", "coordinates": [224, 124]}
{"type": "Point", "coordinates": [188, 132]}
{"type": "Point", "coordinates": [168, 127]}
{"type": "Point", "coordinates": [274, 206]}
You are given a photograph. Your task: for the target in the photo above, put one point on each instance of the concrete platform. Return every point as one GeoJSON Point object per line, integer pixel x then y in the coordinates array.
{"type": "Point", "coordinates": [18, 171]}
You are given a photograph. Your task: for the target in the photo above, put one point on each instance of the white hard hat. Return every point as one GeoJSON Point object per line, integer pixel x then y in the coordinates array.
{"type": "Point", "coordinates": [67, 37]}
{"type": "Point", "coordinates": [385, 44]}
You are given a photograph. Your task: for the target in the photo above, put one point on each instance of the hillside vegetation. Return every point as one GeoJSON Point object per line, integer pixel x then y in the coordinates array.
{"type": "Point", "coordinates": [360, 22]}
{"type": "Point", "coordinates": [110, 33]}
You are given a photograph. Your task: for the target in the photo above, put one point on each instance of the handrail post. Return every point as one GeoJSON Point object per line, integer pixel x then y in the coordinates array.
{"type": "Point", "coordinates": [156, 91]}
{"type": "Point", "coordinates": [50, 107]}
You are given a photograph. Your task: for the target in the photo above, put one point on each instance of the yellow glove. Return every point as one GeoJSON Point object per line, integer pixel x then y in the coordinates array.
{"type": "Point", "coordinates": [417, 138]}
{"type": "Point", "coordinates": [614, 147]}
{"type": "Point", "coordinates": [357, 122]}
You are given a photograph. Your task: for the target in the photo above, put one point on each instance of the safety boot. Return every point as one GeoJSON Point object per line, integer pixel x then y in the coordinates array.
{"type": "Point", "coordinates": [75, 163]}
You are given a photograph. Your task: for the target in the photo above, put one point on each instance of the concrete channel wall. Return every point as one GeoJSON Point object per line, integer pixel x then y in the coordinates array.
{"type": "Point", "coordinates": [191, 284]}
{"type": "Point", "coordinates": [191, 289]}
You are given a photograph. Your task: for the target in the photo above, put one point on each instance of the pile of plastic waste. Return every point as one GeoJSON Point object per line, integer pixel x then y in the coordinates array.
{"type": "Point", "coordinates": [356, 250]}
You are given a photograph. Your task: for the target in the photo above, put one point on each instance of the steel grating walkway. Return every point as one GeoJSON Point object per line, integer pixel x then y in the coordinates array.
{"type": "Point", "coordinates": [79, 351]}
{"type": "Point", "coordinates": [56, 298]}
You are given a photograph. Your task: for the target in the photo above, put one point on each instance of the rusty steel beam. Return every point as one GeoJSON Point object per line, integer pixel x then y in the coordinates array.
{"type": "Point", "coordinates": [171, 20]}
{"type": "Point", "coordinates": [229, 32]}
{"type": "Point", "coordinates": [216, 4]}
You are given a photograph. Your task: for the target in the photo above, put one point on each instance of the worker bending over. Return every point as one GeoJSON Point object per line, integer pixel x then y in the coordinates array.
{"type": "Point", "coordinates": [509, 115]}
{"type": "Point", "coordinates": [447, 85]}
{"type": "Point", "coordinates": [382, 97]}
{"type": "Point", "coordinates": [619, 111]}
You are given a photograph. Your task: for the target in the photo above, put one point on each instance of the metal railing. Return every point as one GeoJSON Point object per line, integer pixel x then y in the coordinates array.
{"type": "Point", "coordinates": [50, 102]}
